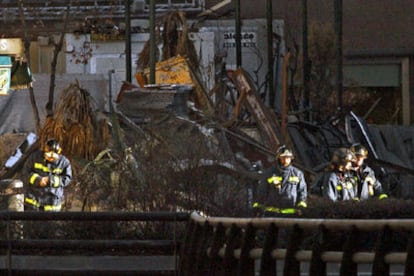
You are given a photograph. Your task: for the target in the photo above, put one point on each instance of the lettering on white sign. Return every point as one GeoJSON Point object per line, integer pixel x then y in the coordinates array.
{"type": "Point", "coordinates": [3, 44]}
{"type": "Point", "coordinates": [248, 39]}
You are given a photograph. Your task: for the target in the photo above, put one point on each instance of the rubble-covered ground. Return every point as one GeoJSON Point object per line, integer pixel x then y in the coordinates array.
{"type": "Point", "coordinates": [170, 164]}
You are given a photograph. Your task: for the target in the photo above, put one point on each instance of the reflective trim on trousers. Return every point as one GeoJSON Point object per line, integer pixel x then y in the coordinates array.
{"type": "Point", "coordinates": [281, 210]}
{"type": "Point", "coordinates": [36, 204]}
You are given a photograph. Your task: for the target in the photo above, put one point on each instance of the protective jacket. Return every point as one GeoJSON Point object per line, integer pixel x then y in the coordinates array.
{"type": "Point", "coordinates": [339, 186]}
{"type": "Point", "coordinates": [283, 189]}
{"type": "Point", "coordinates": [50, 197]}
{"type": "Point", "coordinates": [368, 185]}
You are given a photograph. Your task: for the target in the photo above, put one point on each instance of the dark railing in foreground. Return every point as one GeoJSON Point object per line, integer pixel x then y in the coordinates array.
{"type": "Point", "coordinates": [232, 246]}
{"type": "Point", "coordinates": [216, 246]}
{"type": "Point", "coordinates": [211, 245]}
{"type": "Point", "coordinates": [15, 244]}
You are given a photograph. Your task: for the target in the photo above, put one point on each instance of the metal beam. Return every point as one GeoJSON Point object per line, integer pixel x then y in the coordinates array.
{"type": "Point", "coordinates": [54, 10]}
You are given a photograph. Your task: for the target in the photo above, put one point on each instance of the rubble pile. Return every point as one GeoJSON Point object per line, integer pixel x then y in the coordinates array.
{"type": "Point", "coordinates": [216, 159]}
{"type": "Point", "coordinates": [175, 146]}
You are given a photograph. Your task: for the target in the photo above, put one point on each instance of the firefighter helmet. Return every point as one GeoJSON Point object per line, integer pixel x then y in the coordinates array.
{"type": "Point", "coordinates": [284, 151]}
{"type": "Point", "coordinates": [341, 156]}
{"type": "Point", "coordinates": [52, 145]}
{"type": "Point", "coordinates": [359, 150]}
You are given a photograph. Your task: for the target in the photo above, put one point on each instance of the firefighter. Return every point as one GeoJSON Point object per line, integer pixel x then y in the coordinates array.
{"type": "Point", "coordinates": [368, 185]}
{"type": "Point", "coordinates": [339, 185]}
{"type": "Point", "coordinates": [284, 188]}
{"type": "Point", "coordinates": [49, 172]}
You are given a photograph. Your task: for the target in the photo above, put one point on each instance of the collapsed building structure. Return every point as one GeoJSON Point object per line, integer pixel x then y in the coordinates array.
{"type": "Point", "coordinates": [250, 127]}
{"type": "Point", "coordinates": [230, 130]}
{"type": "Point", "coordinates": [242, 133]}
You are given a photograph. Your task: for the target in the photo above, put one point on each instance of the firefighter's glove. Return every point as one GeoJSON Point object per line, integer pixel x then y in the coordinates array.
{"type": "Point", "coordinates": [370, 180]}
{"type": "Point", "coordinates": [44, 181]}
{"type": "Point", "coordinates": [382, 196]}
{"type": "Point", "coordinates": [275, 180]}
{"type": "Point", "coordinates": [302, 204]}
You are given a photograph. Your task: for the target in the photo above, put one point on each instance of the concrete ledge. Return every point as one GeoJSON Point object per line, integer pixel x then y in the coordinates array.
{"type": "Point", "coordinates": [90, 263]}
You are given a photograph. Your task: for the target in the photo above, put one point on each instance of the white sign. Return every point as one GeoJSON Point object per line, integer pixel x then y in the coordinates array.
{"type": "Point", "coordinates": [248, 39]}
{"type": "Point", "coordinates": [11, 46]}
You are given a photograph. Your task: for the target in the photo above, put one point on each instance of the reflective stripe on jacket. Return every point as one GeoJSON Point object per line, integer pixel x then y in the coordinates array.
{"type": "Point", "coordinates": [282, 188]}
{"type": "Point", "coordinates": [340, 187]}
{"type": "Point", "coordinates": [369, 185]}
{"type": "Point", "coordinates": [59, 173]}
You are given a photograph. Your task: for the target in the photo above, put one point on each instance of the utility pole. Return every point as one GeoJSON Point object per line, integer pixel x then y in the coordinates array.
{"type": "Point", "coordinates": [152, 41]}
{"type": "Point", "coordinates": [128, 40]}
{"type": "Point", "coordinates": [305, 58]}
{"type": "Point", "coordinates": [270, 60]}
{"type": "Point", "coordinates": [338, 30]}
{"type": "Point", "coordinates": [238, 34]}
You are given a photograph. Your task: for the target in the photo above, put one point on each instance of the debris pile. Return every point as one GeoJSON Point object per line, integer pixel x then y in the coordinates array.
{"type": "Point", "coordinates": [181, 147]}
{"type": "Point", "coordinates": [174, 146]}
{"type": "Point", "coordinates": [76, 124]}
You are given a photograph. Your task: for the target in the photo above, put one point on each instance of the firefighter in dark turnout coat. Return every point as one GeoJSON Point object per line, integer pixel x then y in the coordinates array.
{"type": "Point", "coordinates": [284, 188]}
{"type": "Point", "coordinates": [339, 184]}
{"type": "Point", "coordinates": [368, 185]}
{"type": "Point", "coordinates": [49, 172]}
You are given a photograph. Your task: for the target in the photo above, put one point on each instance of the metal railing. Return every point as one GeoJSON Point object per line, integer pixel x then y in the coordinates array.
{"type": "Point", "coordinates": [211, 245]}
{"type": "Point", "coordinates": [107, 242]}
{"type": "Point", "coordinates": [20, 251]}
{"type": "Point", "coordinates": [257, 246]}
